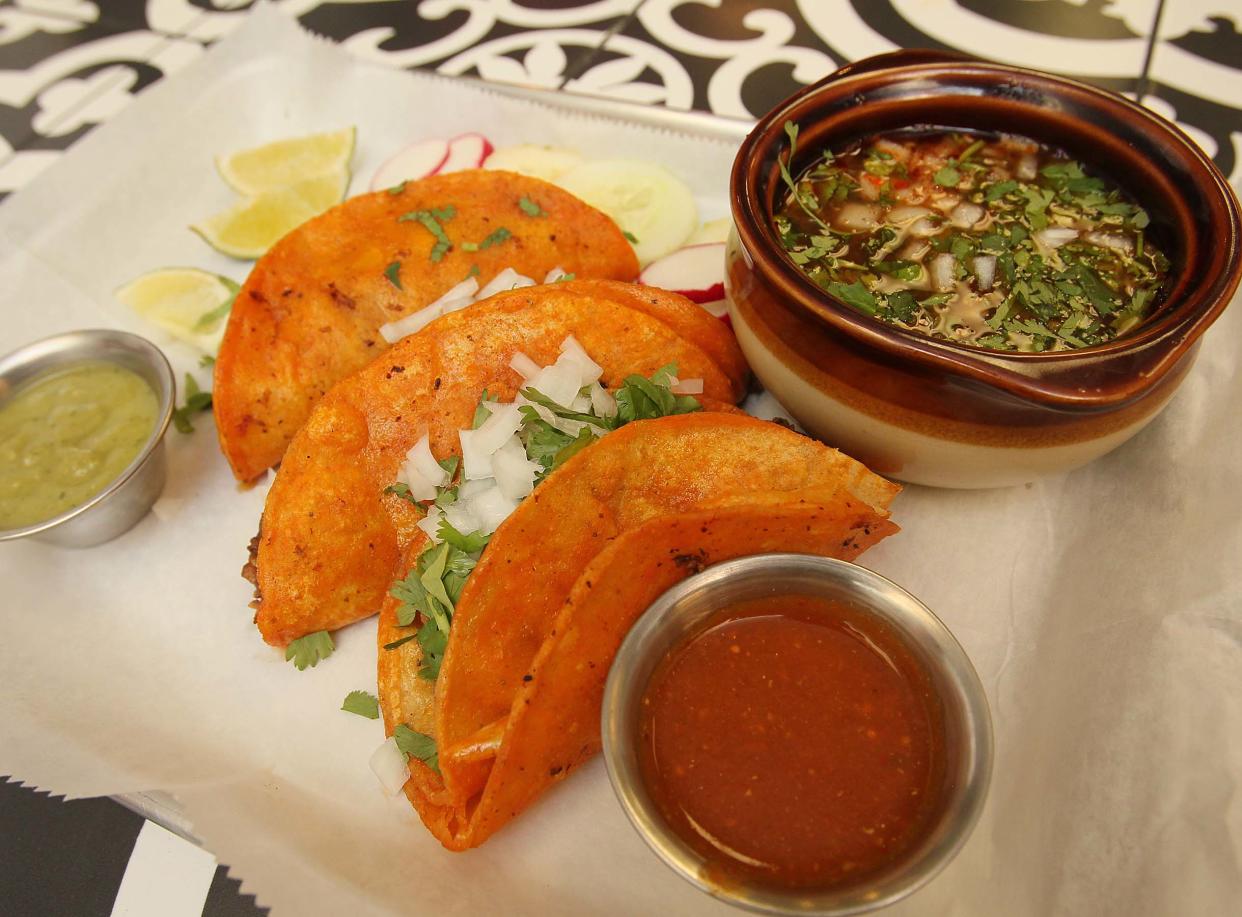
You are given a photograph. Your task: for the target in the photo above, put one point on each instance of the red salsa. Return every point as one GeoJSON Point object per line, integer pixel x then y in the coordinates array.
{"type": "Point", "coordinates": [793, 743]}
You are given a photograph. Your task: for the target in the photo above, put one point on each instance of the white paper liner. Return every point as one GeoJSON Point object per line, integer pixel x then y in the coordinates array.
{"type": "Point", "coordinates": [1102, 609]}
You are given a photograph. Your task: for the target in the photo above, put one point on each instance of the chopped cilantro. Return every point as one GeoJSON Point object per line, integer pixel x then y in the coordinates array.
{"type": "Point", "coordinates": [565, 278]}
{"type": "Point", "coordinates": [431, 220]}
{"type": "Point", "coordinates": [206, 360]}
{"type": "Point", "coordinates": [630, 237]}
{"type": "Point", "coordinates": [495, 237]}
{"type": "Point", "coordinates": [196, 401]}
{"type": "Point", "coordinates": [401, 642]}
{"type": "Point", "coordinates": [948, 176]}
{"type": "Point", "coordinates": [854, 294]}
{"type": "Point", "coordinates": [416, 745]}
{"type": "Point", "coordinates": [310, 650]}
{"type": "Point", "coordinates": [397, 189]}
{"type": "Point", "coordinates": [362, 704]}
{"type": "Point", "coordinates": [393, 273]}
{"type": "Point", "coordinates": [472, 543]}
{"type": "Point", "coordinates": [402, 490]}
{"type": "Point", "coordinates": [433, 642]}
{"type": "Point", "coordinates": [530, 208]}
{"type": "Point", "coordinates": [481, 413]}
{"type": "Point", "coordinates": [646, 399]}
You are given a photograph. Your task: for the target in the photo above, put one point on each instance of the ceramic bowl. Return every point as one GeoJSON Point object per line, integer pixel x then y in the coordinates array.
{"type": "Point", "coordinates": [946, 414]}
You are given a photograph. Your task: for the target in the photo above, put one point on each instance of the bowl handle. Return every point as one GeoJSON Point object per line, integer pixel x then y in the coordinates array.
{"type": "Point", "coordinates": [906, 57]}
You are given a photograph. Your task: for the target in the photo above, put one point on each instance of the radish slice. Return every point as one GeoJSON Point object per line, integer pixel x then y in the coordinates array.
{"type": "Point", "coordinates": [711, 231]}
{"type": "Point", "coordinates": [546, 162]}
{"type": "Point", "coordinates": [648, 202]}
{"type": "Point", "coordinates": [412, 163]}
{"type": "Point", "coordinates": [467, 151]}
{"type": "Point", "coordinates": [696, 272]}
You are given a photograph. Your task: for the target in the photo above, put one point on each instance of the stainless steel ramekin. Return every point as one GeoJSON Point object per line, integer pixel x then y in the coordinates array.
{"type": "Point", "coordinates": [119, 506]}
{"type": "Point", "coordinates": [686, 608]}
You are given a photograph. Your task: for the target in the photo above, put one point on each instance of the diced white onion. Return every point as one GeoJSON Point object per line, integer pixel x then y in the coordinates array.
{"type": "Point", "coordinates": [430, 524]}
{"type": "Point", "coordinates": [456, 297]}
{"type": "Point", "coordinates": [1116, 241]}
{"type": "Point", "coordinates": [476, 461]}
{"type": "Point", "coordinates": [425, 463]}
{"type": "Point", "coordinates": [868, 190]}
{"type": "Point", "coordinates": [915, 250]}
{"type": "Point", "coordinates": [555, 274]}
{"type": "Point", "coordinates": [504, 421]}
{"type": "Point", "coordinates": [602, 401]}
{"type": "Point", "coordinates": [454, 305]}
{"type": "Point", "coordinates": [899, 215]}
{"type": "Point", "coordinates": [946, 202]}
{"type": "Point", "coordinates": [468, 288]}
{"type": "Point", "coordinates": [508, 279]}
{"type": "Point", "coordinates": [515, 473]}
{"type": "Point", "coordinates": [1026, 167]}
{"type": "Point", "coordinates": [942, 272]}
{"type": "Point", "coordinates": [581, 404]}
{"type": "Point", "coordinates": [924, 228]}
{"type": "Point", "coordinates": [687, 387]}
{"type": "Point", "coordinates": [985, 271]}
{"type": "Point", "coordinates": [966, 215]}
{"type": "Point", "coordinates": [404, 327]}
{"type": "Point", "coordinates": [559, 382]}
{"type": "Point", "coordinates": [898, 151]}
{"type": "Point", "coordinates": [1055, 236]}
{"type": "Point", "coordinates": [857, 217]}
{"type": "Point", "coordinates": [469, 489]}
{"type": "Point", "coordinates": [460, 515]}
{"type": "Point", "coordinates": [524, 366]}
{"type": "Point", "coordinates": [491, 507]}
{"type": "Point", "coordinates": [589, 370]}
{"type": "Point", "coordinates": [389, 766]}
{"type": "Point", "coordinates": [421, 472]}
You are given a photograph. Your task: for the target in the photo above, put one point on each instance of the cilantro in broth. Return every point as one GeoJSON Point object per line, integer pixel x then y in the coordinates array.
{"type": "Point", "coordinates": [994, 242]}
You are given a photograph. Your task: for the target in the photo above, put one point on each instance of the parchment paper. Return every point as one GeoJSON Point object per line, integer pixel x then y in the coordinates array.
{"type": "Point", "coordinates": [1102, 609]}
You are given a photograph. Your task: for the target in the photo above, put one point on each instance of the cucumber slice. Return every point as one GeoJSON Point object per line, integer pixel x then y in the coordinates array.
{"type": "Point", "coordinates": [546, 162]}
{"type": "Point", "coordinates": [651, 205]}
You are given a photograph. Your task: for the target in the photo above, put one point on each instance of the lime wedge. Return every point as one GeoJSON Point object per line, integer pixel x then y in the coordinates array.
{"type": "Point", "coordinates": [287, 162]}
{"type": "Point", "coordinates": [252, 226]}
{"type": "Point", "coordinates": [189, 304]}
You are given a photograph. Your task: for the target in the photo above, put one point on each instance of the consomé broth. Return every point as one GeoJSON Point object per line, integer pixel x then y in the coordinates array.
{"type": "Point", "coordinates": [991, 241]}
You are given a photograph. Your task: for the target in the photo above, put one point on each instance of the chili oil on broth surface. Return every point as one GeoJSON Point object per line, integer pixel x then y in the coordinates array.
{"type": "Point", "coordinates": [793, 743]}
{"type": "Point", "coordinates": [991, 241]}
{"type": "Point", "coordinates": [66, 435]}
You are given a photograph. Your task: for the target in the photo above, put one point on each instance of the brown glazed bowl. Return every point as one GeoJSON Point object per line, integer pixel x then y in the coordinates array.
{"type": "Point", "coordinates": [946, 414]}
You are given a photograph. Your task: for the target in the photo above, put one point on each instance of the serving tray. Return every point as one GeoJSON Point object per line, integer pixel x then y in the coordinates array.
{"type": "Point", "coordinates": [1101, 608]}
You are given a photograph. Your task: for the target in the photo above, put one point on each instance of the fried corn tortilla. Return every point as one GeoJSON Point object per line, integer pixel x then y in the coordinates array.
{"type": "Point", "coordinates": [310, 312]}
{"type": "Point", "coordinates": [330, 538]}
{"type": "Point", "coordinates": [516, 704]}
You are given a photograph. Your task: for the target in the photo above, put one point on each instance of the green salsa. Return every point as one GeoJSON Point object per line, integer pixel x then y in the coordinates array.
{"type": "Point", "coordinates": [66, 435]}
{"type": "Point", "coordinates": [990, 241]}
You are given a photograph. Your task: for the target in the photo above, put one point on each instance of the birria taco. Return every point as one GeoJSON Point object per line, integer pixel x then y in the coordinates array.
{"type": "Point", "coordinates": [312, 309]}
{"type": "Point", "coordinates": [494, 647]}
{"type": "Point", "coordinates": [335, 525]}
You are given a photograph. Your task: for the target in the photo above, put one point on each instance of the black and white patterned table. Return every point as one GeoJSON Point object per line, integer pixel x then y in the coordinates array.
{"type": "Point", "coordinates": [69, 65]}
